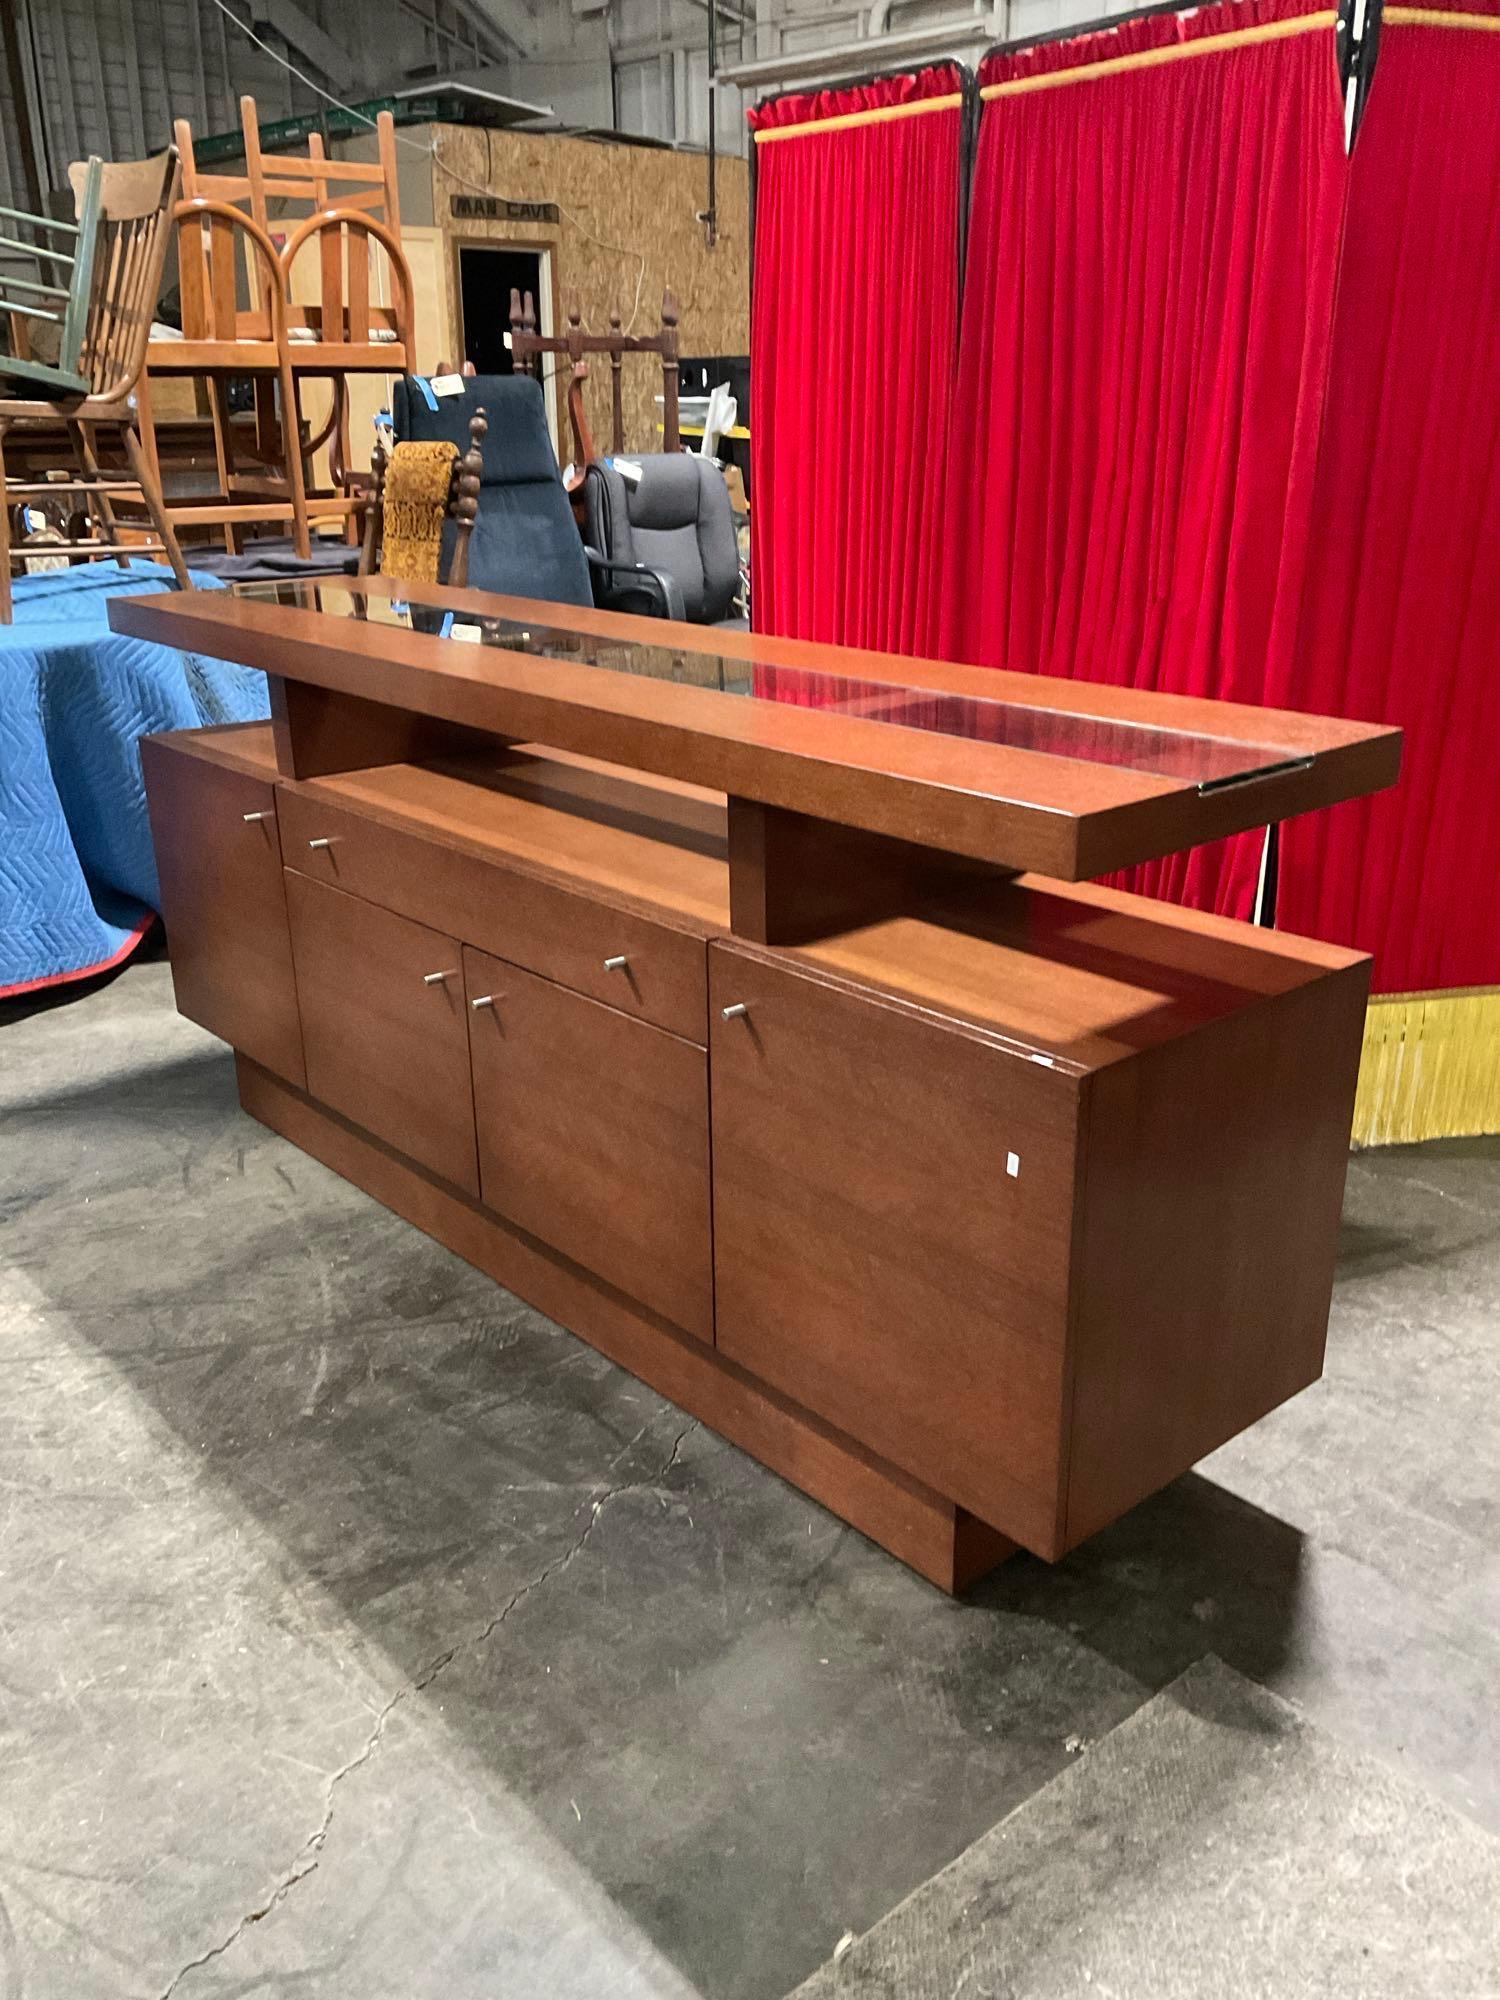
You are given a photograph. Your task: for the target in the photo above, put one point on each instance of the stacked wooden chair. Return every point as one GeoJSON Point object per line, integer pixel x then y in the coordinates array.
{"type": "Point", "coordinates": [99, 277]}
{"type": "Point", "coordinates": [242, 316]}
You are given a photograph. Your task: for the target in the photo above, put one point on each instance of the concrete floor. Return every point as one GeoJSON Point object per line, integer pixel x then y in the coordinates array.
{"type": "Point", "coordinates": [363, 1634]}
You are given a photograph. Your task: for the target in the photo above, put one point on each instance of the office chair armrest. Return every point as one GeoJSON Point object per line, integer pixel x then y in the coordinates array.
{"type": "Point", "coordinates": [632, 586]}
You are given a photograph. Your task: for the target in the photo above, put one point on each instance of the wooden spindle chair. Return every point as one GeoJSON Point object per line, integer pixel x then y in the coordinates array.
{"type": "Point", "coordinates": [123, 212]}
{"type": "Point", "coordinates": [404, 490]}
{"type": "Point", "coordinates": [528, 345]}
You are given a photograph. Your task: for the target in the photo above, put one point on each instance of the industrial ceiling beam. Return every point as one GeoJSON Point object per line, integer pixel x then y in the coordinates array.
{"type": "Point", "coordinates": [301, 33]}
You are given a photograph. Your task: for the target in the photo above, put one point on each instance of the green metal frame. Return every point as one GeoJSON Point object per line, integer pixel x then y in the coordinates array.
{"type": "Point", "coordinates": [64, 377]}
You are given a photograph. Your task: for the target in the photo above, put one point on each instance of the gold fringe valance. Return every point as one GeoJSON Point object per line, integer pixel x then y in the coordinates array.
{"type": "Point", "coordinates": [1431, 1067]}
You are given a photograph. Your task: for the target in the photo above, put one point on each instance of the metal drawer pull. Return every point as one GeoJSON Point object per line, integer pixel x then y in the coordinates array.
{"type": "Point", "coordinates": [737, 1012]}
{"type": "Point", "coordinates": [320, 843]}
{"type": "Point", "coordinates": [616, 964]}
{"type": "Point", "coordinates": [251, 819]}
{"type": "Point", "coordinates": [437, 978]}
{"type": "Point", "coordinates": [484, 1000]}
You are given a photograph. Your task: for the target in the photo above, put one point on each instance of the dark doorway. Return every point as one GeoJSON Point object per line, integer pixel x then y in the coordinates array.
{"type": "Point", "coordinates": [486, 274]}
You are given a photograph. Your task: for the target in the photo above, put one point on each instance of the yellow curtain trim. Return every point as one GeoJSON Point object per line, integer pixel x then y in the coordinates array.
{"type": "Point", "coordinates": [1441, 17]}
{"type": "Point", "coordinates": [1207, 45]}
{"type": "Point", "coordinates": [883, 114]}
{"type": "Point", "coordinates": [1431, 1066]}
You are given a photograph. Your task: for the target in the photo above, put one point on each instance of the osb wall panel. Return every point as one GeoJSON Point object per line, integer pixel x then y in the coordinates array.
{"type": "Point", "coordinates": [643, 202]}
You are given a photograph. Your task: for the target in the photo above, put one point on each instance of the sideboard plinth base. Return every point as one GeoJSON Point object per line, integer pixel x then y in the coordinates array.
{"type": "Point", "coordinates": [941, 1541]}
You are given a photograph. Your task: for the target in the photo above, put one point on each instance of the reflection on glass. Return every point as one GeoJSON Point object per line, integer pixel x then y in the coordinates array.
{"type": "Point", "coordinates": [1205, 761]}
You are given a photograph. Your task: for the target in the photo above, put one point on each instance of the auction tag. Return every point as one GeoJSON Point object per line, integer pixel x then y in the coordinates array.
{"type": "Point", "coordinates": [447, 385]}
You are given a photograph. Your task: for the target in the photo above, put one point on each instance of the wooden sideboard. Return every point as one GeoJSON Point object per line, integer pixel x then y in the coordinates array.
{"type": "Point", "coordinates": [978, 1204]}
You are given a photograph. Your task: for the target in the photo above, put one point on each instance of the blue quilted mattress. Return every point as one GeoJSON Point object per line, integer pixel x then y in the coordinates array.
{"type": "Point", "coordinates": [77, 875]}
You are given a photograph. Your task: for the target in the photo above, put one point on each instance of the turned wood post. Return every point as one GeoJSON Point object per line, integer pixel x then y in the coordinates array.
{"type": "Point", "coordinates": [374, 535]}
{"type": "Point", "coordinates": [617, 400]}
{"type": "Point", "coordinates": [671, 439]}
{"type": "Point", "coordinates": [463, 506]}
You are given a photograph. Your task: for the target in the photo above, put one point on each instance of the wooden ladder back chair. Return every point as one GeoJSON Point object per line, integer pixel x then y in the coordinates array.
{"type": "Point", "coordinates": [61, 256]}
{"type": "Point", "coordinates": [123, 214]}
{"type": "Point", "coordinates": [528, 346]}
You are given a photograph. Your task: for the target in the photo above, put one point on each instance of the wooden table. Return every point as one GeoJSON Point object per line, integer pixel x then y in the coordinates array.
{"type": "Point", "coordinates": [744, 1005]}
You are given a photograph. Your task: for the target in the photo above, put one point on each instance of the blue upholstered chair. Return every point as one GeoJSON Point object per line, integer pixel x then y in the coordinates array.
{"type": "Point", "coordinates": [525, 542]}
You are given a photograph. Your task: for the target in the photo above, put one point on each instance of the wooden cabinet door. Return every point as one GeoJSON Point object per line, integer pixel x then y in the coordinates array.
{"type": "Point", "coordinates": [893, 1212]}
{"type": "Point", "coordinates": [218, 856]}
{"type": "Point", "coordinates": [593, 1136]}
{"type": "Point", "coordinates": [383, 1026]}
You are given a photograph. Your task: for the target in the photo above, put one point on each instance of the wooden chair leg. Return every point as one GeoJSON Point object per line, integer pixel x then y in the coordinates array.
{"type": "Point", "coordinates": [291, 445]}
{"type": "Point", "coordinates": [145, 423]}
{"type": "Point", "coordinates": [5, 598]}
{"type": "Point", "coordinates": [218, 390]}
{"type": "Point", "coordinates": [96, 505]}
{"type": "Point", "coordinates": [156, 507]}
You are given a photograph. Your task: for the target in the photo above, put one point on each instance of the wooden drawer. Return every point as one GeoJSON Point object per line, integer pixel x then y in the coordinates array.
{"type": "Point", "coordinates": [506, 911]}
{"type": "Point", "coordinates": [593, 1136]}
{"type": "Point", "coordinates": [218, 857]}
{"type": "Point", "coordinates": [383, 1025]}
{"type": "Point", "coordinates": [893, 1203]}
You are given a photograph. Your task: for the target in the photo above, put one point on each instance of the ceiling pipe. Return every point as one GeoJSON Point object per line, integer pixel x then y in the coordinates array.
{"type": "Point", "coordinates": [850, 58]}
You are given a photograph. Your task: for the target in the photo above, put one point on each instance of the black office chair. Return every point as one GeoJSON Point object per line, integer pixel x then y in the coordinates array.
{"type": "Point", "coordinates": [676, 517]}
{"type": "Point", "coordinates": [524, 541]}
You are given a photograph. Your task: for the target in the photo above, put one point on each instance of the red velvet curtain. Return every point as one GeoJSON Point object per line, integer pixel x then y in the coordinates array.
{"type": "Point", "coordinates": [1402, 608]}
{"type": "Point", "coordinates": [1146, 334]}
{"type": "Point", "coordinates": [854, 323]}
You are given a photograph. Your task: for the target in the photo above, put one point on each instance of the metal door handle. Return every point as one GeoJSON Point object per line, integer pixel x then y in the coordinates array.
{"type": "Point", "coordinates": [737, 1012]}
{"type": "Point", "coordinates": [250, 819]}
{"type": "Point", "coordinates": [616, 964]}
{"type": "Point", "coordinates": [437, 978]}
{"type": "Point", "coordinates": [320, 843]}
{"type": "Point", "coordinates": [484, 1000]}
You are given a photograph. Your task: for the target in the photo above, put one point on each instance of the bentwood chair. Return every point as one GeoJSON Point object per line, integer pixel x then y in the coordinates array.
{"type": "Point", "coordinates": [343, 307]}
{"type": "Point", "coordinates": [121, 242]}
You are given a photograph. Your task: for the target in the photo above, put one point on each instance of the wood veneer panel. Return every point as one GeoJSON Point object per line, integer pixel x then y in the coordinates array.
{"type": "Point", "coordinates": [317, 731]}
{"type": "Point", "coordinates": [382, 1046]}
{"type": "Point", "coordinates": [874, 1256]}
{"type": "Point", "coordinates": [634, 841]}
{"type": "Point", "coordinates": [1082, 974]}
{"type": "Point", "coordinates": [793, 878]}
{"type": "Point", "coordinates": [1058, 815]}
{"type": "Point", "coordinates": [222, 898]}
{"type": "Point", "coordinates": [593, 1136]}
{"type": "Point", "coordinates": [1215, 1181]}
{"type": "Point", "coordinates": [465, 887]}
{"type": "Point", "coordinates": [923, 1529]}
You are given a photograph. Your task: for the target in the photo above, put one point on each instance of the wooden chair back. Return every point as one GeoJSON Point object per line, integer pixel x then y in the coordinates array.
{"type": "Point", "coordinates": [346, 312]}
{"type": "Point", "coordinates": [313, 184]}
{"type": "Point", "coordinates": [133, 201]}
{"type": "Point", "coordinates": [312, 180]}
{"type": "Point", "coordinates": [215, 240]}
{"type": "Point", "coordinates": [528, 346]}
{"type": "Point", "coordinates": [61, 256]}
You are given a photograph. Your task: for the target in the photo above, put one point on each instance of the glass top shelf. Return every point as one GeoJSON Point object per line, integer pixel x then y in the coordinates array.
{"type": "Point", "coordinates": [1210, 763]}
